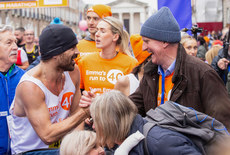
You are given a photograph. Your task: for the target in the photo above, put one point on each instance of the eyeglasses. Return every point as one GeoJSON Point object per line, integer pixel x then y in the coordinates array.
{"type": "Point", "coordinates": [29, 34]}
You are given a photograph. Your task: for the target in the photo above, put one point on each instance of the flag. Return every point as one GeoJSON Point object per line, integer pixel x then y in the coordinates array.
{"type": "Point", "coordinates": [181, 9]}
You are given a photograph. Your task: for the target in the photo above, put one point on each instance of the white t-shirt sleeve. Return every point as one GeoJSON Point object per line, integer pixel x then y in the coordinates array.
{"type": "Point", "coordinates": [24, 57]}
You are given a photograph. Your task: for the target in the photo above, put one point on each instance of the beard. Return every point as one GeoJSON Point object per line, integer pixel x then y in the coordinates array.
{"type": "Point", "coordinates": [66, 63]}
{"type": "Point", "coordinates": [19, 41]}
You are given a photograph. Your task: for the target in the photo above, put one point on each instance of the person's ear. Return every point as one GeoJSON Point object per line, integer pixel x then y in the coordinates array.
{"type": "Point", "coordinates": [115, 37]}
{"type": "Point", "coordinates": [165, 44]}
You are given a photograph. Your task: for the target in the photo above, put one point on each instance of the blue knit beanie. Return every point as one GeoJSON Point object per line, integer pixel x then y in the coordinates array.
{"type": "Point", "coordinates": [162, 26]}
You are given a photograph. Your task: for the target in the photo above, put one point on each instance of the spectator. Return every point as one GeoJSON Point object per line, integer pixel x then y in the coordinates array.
{"type": "Point", "coordinates": [184, 78]}
{"type": "Point", "coordinates": [202, 48]}
{"type": "Point", "coordinates": [80, 143]}
{"type": "Point", "coordinates": [190, 45]}
{"type": "Point", "coordinates": [94, 16]}
{"type": "Point", "coordinates": [45, 106]}
{"type": "Point", "coordinates": [19, 34]}
{"type": "Point", "coordinates": [115, 119]}
{"type": "Point", "coordinates": [100, 70]}
{"type": "Point", "coordinates": [209, 56]}
{"type": "Point", "coordinates": [30, 47]}
{"type": "Point", "coordinates": [10, 75]}
{"type": "Point", "coordinates": [220, 63]}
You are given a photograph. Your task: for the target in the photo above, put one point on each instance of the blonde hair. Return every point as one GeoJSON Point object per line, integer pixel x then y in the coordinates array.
{"type": "Point", "coordinates": [78, 142]}
{"type": "Point", "coordinates": [113, 114]}
{"type": "Point", "coordinates": [212, 52]}
{"type": "Point", "coordinates": [185, 38]}
{"type": "Point", "coordinates": [117, 28]}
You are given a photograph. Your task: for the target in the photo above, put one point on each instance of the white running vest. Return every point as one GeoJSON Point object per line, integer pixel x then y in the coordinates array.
{"type": "Point", "coordinates": [24, 137]}
{"type": "Point", "coordinates": [133, 83]}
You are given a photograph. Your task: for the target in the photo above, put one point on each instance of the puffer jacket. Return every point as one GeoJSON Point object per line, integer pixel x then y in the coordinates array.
{"type": "Point", "coordinates": [7, 91]}
{"type": "Point", "coordinates": [161, 141]}
{"type": "Point", "coordinates": [196, 85]}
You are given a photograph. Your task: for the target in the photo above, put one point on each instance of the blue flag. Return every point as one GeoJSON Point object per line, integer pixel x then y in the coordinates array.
{"type": "Point", "coordinates": [181, 9]}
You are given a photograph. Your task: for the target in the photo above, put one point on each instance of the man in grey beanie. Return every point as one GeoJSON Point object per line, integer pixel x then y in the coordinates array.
{"type": "Point", "coordinates": [45, 107]}
{"type": "Point", "coordinates": [174, 75]}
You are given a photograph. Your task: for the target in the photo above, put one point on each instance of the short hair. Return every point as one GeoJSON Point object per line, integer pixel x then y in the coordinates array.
{"type": "Point", "coordinates": [113, 114]}
{"type": "Point", "coordinates": [78, 142]}
{"type": "Point", "coordinates": [4, 28]}
{"type": "Point", "coordinates": [117, 28]}
{"type": "Point", "coordinates": [21, 29]}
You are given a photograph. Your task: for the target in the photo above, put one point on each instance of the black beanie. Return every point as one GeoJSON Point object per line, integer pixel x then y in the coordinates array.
{"type": "Point", "coordinates": [56, 39]}
{"type": "Point", "coordinates": [162, 26]}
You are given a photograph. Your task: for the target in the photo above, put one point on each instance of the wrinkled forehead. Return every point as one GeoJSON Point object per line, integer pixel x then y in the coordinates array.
{"type": "Point", "coordinates": [7, 35]}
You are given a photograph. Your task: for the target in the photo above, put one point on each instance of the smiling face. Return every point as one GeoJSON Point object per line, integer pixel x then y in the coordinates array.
{"type": "Point", "coordinates": [104, 36]}
{"type": "Point", "coordinates": [8, 48]}
{"type": "Point", "coordinates": [154, 47]}
{"type": "Point", "coordinates": [66, 60]}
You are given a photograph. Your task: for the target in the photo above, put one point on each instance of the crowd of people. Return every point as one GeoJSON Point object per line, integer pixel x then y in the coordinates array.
{"type": "Point", "coordinates": [91, 96]}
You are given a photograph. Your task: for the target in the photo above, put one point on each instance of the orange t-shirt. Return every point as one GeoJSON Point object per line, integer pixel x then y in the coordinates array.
{"type": "Point", "coordinates": [167, 89]}
{"type": "Point", "coordinates": [100, 74]}
{"type": "Point", "coordinates": [86, 47]}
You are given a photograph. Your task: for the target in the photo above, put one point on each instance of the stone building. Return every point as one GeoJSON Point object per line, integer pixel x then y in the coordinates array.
{"type": "Point", "coordinates": [131, 12]}
{"type": "Point", "coordinates": [226, 12]}
{"type": "Point", "coordinates": [38, 18]}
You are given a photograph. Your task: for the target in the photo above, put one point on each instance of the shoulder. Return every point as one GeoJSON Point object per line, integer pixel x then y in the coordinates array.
{"type": "Point", "coordinates": [128, 59]}
{"type": "Point", "coordinates": [194, 63]}
{"type": "Point", "coordinates": [75, 75]}
{"type": "Point", "coordinates": [89, 57]}
{"type": "Point", "coordinates": [168, 141]}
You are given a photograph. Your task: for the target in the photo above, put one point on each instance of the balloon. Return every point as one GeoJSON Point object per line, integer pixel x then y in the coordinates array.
{"type": "Point", "coordinates": [83, 25]}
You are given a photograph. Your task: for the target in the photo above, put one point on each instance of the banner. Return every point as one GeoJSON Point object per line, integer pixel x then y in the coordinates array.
{"type": "Point", "coordinates": [16, 4]}
{"type": "Point", "coordinates": [181, 9]}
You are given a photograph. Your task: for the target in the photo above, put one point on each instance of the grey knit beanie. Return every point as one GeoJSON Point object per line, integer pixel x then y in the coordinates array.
{"type": "Point", "coordinates": [162, 26]}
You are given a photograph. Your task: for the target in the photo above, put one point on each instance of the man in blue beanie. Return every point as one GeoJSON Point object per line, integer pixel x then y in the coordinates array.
{"type": "Point", "coordinates": [45, 107]}
{"type": "Point", "coordinates": [174, 75]}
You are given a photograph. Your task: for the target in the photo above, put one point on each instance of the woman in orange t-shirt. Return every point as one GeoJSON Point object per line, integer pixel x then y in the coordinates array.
{"type": "Point", "coordinates": [100, 70]}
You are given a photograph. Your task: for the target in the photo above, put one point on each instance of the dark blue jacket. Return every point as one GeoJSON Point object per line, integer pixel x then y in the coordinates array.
{"type": "Point", "coordinates": [8, 85]}
{"type": "Point", "coordinates": [161, 141]}
{"type": "Point", "coordinates": [222, 73]}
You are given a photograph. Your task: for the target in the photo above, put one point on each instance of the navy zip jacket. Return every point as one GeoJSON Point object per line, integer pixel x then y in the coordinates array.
{"type": "Point", "coordinates": [8, 86]}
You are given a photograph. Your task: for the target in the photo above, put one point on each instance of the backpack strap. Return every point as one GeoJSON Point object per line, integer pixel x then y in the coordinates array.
{"type": "Point", "coordinates": [146, 128]}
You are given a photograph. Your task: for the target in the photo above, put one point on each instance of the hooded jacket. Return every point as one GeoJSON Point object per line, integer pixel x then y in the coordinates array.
{"type": "Point", "coordinates": [8, 85]}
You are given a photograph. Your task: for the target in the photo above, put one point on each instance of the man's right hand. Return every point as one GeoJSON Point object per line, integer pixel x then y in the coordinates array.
{"type": "Point", "coordinates": [223, 63]}
{"type": "Point", "coordinates": [86, 99]}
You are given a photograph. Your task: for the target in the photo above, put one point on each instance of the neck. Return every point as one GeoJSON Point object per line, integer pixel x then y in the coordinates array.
{"type": "Point", "coordinates": [170, 56]}
{"type": "Point", "coordinates": [53, 79]}
{"type": "Point", "coordinates": [108, 53]}
{"type": "Point", "coordinates": [92, 36]}
{"type": "Point", "coordinates": [50, 72]}
{"type": "Point", "coordinates": [29, 45]}
{"type": "Point", "coordinates": [4, 67]}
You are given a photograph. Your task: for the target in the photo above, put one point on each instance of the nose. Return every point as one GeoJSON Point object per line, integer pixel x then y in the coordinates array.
{"type": "Point", "coordinates": [97, 34]}
{"type": "Point", "coordinates": [144, 47]}
{"type": "Point", "coordinates": [15, 46]}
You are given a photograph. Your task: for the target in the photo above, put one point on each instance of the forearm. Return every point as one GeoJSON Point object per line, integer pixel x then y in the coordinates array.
{"type": "Point", "coordinates": [56, 131]}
